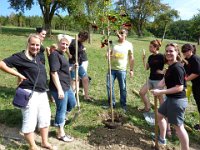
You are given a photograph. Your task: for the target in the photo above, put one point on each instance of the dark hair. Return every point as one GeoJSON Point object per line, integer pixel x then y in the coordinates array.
{"type": "Point", "coordinates": [187, 47]}
{"type": "Point", "coordinates": [83, 35]}
{"type": "Point", "coordinates": [39, 29]}
{"type": "Point", "coordinates": [156, 43]}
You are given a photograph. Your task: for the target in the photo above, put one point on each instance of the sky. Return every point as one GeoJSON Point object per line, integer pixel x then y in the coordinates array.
{"type": "Point", "coordinates": [187, 8]}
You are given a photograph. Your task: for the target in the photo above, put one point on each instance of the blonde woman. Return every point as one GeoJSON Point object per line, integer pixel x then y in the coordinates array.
{"type": "Point", "coordinates": [37, 112]}
{"type": "Point", "coordinates": [60, 87]}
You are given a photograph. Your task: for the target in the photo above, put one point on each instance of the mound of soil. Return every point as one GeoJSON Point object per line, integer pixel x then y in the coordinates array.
{"type": "Point", "coordinates": [124, 137]}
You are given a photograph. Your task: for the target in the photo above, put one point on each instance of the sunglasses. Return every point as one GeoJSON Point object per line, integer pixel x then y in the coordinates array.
{"type": "Point", "coordinates": [122, 32]}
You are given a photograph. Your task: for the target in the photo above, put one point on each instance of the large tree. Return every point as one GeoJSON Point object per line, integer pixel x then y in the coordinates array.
{"type": "Point", "coordinates": [48, 8]}
{"type": "Point", "coordinates": [180, 30]}
{"type": "Point", "coordinates": [196, 27]}
{"type": "Point", "coordinates": [140, 11]}
{"type": "Point", "coordinates": [164, 19]}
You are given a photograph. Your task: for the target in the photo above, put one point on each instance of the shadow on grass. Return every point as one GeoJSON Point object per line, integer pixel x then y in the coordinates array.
{"type": "Point", "coordinates": [130, 137]}
{"type": "Point", "coordinates": [6, 92]}
{"type": "Point", "coordinates": [84, 129]}
{"type": "Point", "coordinates": [131, 110]}
{"type": "Point", "coordinates": [105, 137]}
{"type": "Point", "coordinates": [9, 115]}
{"type": "Point", "coordinates": [17, 31]}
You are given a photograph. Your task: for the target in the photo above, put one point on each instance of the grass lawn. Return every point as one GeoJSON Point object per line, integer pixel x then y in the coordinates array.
{"type": "Point", "coordinates": [14, 40]}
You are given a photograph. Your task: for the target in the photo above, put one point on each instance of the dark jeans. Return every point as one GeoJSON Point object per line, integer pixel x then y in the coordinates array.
{"type": "Point", "coordinates": [121, 77]}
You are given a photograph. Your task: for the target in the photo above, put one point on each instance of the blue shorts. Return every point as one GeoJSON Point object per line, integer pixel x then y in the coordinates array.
{"type": "Point", "coordinates": [174, 110]}
{"type": "Point", "coordinates": [81, 72]}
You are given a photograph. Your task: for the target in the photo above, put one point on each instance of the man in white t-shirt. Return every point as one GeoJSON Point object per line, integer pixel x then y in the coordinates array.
{"type": "Point", "coordinates": [121, 53]}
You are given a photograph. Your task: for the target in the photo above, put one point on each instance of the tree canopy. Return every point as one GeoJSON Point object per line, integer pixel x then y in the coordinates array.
{"type": "Point", "coordinates": [48, 8]}
{"type": "Point", "coordinates": [144, 17]}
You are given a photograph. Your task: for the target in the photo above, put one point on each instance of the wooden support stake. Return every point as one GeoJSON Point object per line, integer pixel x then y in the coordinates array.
{"type": "Point", "coordinates": [77, 79]}
{"type": "Point", "coordinates": [156, 122]}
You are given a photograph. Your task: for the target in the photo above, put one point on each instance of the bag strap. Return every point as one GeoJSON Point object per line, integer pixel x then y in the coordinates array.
{"type": "Point", "coordinates": [35, 80]}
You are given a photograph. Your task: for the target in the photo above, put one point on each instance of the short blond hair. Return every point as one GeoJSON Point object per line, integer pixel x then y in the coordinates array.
{"type": "Point", "coordinates": [55, 46]}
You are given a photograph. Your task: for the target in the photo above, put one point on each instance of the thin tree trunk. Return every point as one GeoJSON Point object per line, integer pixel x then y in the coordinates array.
{"type": "Point", "coordinates": [90, 34]}
{"type": "Point", "coordinates": [139, 30]}
{"type": "Point", "coordinates": [47, 25]}
{"type": "Point", "coordinates": [165, 29]}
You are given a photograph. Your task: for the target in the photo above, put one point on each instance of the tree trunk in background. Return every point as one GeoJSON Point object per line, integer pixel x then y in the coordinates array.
{"type": "Point", "coordinates": [90, 34]}
{"type": "Point", "coordinates": [198, 41]}
{"type": "Point", "coordinates": [47, 23]}
{"type": "Point", "coordinates": [165, 29]}
{"type": "Point", "coordinates": [139, 30]}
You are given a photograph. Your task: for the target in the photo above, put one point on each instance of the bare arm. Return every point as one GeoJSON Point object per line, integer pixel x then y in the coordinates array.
{"type": "Point", "coordinates": [161, 84]}
{"type": "Point", "coordinates": [68, 53]}
{"type": "Point", "coordinates": [12, 71]}
{"type": "Point", "coordinates": [175, 89]}
{"type": "Point", "coordinates": [131, 62]}
{"type": "Point", "coordinates": [57, 84]}
{"type": "Point", "coordinates": [191, 77]}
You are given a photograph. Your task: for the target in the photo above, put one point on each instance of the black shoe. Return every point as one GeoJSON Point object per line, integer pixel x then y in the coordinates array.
{"type": "Point", "coordinates": [197, 127]}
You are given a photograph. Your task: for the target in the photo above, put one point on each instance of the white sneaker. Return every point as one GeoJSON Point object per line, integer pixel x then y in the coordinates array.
{"type": "Point", "coordinates": [66, 138]}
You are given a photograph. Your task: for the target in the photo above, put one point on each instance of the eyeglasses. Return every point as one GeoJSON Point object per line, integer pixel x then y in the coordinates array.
{"type": "Point", "coordinates": [122, 32]}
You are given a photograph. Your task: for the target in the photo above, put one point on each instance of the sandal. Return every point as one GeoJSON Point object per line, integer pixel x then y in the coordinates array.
{"type": "Point", "coordinates": [65, 138]}
{"type": "Point", "coordinates": [50, 147]}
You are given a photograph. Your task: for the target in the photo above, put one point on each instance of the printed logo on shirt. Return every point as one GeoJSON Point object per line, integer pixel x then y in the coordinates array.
{"type": "Point", "coordinates": [119, 55]}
